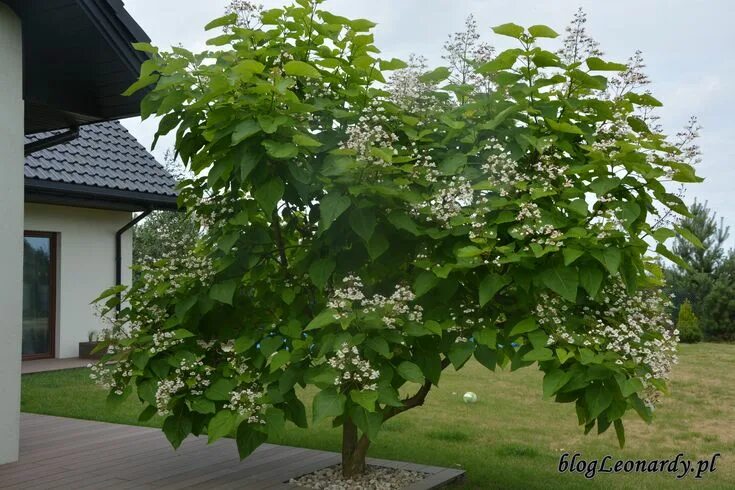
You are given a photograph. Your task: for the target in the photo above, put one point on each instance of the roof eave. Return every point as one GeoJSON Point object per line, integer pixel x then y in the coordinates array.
{"type": "Point", "coordinates": [66, 194]}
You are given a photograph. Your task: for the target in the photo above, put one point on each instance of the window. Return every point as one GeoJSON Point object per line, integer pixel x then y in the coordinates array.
{"type": "Point", "coordinates": [39, 294]}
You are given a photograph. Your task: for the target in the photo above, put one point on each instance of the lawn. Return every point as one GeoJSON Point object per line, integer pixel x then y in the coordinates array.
{"type": "Point", "coordinates": [511, 438]}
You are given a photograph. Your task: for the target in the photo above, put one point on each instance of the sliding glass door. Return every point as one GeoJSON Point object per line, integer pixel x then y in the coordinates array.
{"type": "Point", "coordinates": [39, 294]}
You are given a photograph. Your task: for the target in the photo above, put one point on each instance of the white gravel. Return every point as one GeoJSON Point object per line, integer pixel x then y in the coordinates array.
{"type": "Point", "coordinates": [375, 478]}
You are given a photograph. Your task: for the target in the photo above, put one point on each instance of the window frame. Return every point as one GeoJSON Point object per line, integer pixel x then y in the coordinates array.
{"type": "Point", "coordinates": [52, 323]}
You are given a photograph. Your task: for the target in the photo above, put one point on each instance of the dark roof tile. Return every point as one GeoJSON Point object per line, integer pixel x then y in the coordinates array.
{"type": "Point", "coordinates": [104, 155]}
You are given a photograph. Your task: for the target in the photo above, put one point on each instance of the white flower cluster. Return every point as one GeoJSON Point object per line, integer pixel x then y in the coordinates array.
{"type": "Point", "coordinates": [196, 375]}
{"type": "Point", "coordinates": [163, 341]}
{"type": "Point", "coordinates": [450, 200]}
{"type": "Point", "coordinates": [369, 132]}
{"type": "Point", "coordinates": [407, 90]}
{"type": "Point", "coordinates": [550, 172]}
{"type": "Point", "coordinates": [350, 298]}
{"type": "Point", "coordinates": [166, 390]}
{"type": "Point", "coordinates": [465, 321]}
{"type": "Point", "coordinates": [637, 327]}
{"type": "Point", "coordinates": [354, 371]}
{"type": "Point", "coordinates": [502, 170]}
{"type": "Point", "coordinates": [113, 377]}
{"type": "Point", "coordinates": [248, 402]}
{"type": "Point", "coordinates": [542, 234]}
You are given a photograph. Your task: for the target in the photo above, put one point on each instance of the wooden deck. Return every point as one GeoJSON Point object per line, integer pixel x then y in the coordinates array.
{"type": "Point", "coordinates": [76, 454]}
{"type": "Point", "coordinates": [45, 365]}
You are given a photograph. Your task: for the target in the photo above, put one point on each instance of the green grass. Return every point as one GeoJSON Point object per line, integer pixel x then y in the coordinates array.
{"type": "Point", "coordinates": [511, 438]}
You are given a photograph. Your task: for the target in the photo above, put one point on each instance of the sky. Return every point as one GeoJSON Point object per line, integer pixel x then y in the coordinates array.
{"type": "Point", "coordinates": [687, 46]}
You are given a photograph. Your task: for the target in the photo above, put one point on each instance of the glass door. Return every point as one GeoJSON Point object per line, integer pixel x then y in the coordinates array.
{"type": "Point", "coordinates": [39, 294]}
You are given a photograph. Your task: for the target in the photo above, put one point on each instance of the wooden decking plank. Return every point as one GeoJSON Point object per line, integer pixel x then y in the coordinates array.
{"type": "Point", "coordinates": [86, 455]}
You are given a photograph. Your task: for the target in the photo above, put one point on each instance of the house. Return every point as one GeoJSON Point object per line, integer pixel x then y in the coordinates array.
{"type": "Point", "coordinates": [65, 64]}
{"type": "Point", "coordinates": [79, 199]}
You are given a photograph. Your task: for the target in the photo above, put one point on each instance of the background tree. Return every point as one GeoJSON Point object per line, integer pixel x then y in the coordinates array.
{"type": "Point", "coordinates": [163, 234]}
{"type": "Point", "coordinates": [363, 246]}
{"type": "Point", "coordinates": [688, 324]}
{"type": "Point", "coordinates": [704, 278]}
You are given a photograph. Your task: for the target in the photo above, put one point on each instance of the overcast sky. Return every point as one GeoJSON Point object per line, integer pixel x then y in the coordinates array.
{"type": "Point", "coordinates": [687, 46]}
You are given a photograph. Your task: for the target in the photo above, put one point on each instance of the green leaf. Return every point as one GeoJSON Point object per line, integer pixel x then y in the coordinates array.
{"type": "Point", "coordinates": [554, 381]}
{"type": "Point", "coordinates": [539, 354]}
{"type": "Point", "coordinates": [280, 150]}
{"type": "Point", "coordinates": [204, 406]}
{"type": "Point", "coordinates": [323, 319]}
{"type": "Point", "coordinates": [368, 422]}
{"type": "Point", "coordinates": [628, 386]}
{"type": "Point", "coordinates": [366, 399]}
{"type": "Point", "coordinates": [504, 61]}
{"type": "Point", "coordinates": [689, 236]}
{"type": "Point", "coordinates": [177, 427]}
{"type": "Point", "coordinates": [223, 291]}
{"type": "Point", "coordinates": [275, 421]}
{"type": "Point", "coordinates": [629, 212]}
{"type": "Point", "coordinates": [563, 127]}
{"type": "Point", "coordinates": [248, 67]}
{"type": "Point", "coordinates": [609, 257]}
{"type": "Point", "coordinates": [424, 283]}
{"type": "Point", "coordinates": [244, 130]}
{"type": "Point", "coordinates": [361, 25]}
{"type": "Point", "coordinates": [145, 47]}
{"type": "Point", "coordinates": [603, 185]}
{"type": "Point", "coordinates": [571, 255]}
{"type": "Point", "coordinates": [597, 64]}
{"type": "Point", "coordinates": [486, 356]}
{"type": "Point", "coordinates": [331, 207]}
{"type": "Point", "coordinates": [248, 439]}
{"type": "Point", "coordinates": [510, 30]}
{"type": "Point", "coordinates": [321, 270]}
{"type": "Point", "coordinates": [524, 326]}
{"type": "Point", "coordinates": [301, 69]}
{"type": "Point", "coordinates": [271, 344]}
{"type": "Point", "coordinates": [490, 285]}
{"type": "Point", "coordinates": [362, 221]}
{"type": "Point", "coordinates": [542, 31]}
{"type": "Point", "coordinates": [225, 20]}
{"type": "Point", "coordinates": [436, 75]}
{"type": "Point", "coordinates": [590, 278]}
{"type": "Point", "coordinates": [487, 337]}
{"type": "Point", "coordinates": [563, 281]}
{"type": "Point", "coordinates": [459, 353]}
{"type": "Point", "coordinates": [269, 194]}
{"type": "Point", "coordinates": [377, 245]}
{"type": "Point", "coordinates": [410, 372]}
{"type": "Point", "coordinates": [280, 359]}
{"type": "Point", "coordinates": [620, 432]}
{"type": "Point", "coordinates": [306, 141]}
{"type": "Point", "coordinates": [221, 425]}
{"type": "Point", "coordinates": [220, 389]}
{"type": "Point", "coordinates": [328, 403]}
{"type": "Point", "coordinates": [243, 343]}
{"type": "Point", "coordinates": [598, 398]}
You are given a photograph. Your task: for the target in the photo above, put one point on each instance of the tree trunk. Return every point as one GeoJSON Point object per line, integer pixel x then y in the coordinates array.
{"type": "Point", "coordinates": [354, 450]}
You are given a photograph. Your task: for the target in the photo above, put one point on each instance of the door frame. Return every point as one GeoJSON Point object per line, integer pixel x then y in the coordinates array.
{"type": "Point", "coordinates": [53, 239]}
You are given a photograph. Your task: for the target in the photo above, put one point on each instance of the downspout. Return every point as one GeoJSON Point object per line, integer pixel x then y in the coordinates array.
{"type": "Point", "coordinates": [118, 250]}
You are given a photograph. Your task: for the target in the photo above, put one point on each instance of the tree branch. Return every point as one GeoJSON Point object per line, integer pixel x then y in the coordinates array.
{"type": "Point", "coordinates": [414, 401]}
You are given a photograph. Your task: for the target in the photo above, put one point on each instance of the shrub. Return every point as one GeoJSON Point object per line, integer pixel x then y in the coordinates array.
{"type": "Point", "coordinates": [688, 324]}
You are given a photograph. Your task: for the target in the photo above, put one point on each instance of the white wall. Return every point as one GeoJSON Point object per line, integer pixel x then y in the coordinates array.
{"type": "Point", "coordinates": [11, 228]}
{"type": "Point", "coordinates": [86, 264]}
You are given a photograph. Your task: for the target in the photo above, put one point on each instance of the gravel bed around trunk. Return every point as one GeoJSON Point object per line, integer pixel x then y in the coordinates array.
{"type": "Point", "coordinates": [375, 478]}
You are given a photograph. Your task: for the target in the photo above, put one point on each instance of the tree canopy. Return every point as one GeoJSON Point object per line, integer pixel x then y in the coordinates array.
{"type": "Point", "coordinates": [370, 223]}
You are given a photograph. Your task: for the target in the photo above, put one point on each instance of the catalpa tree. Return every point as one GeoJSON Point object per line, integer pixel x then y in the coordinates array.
{"type": "Point", "coordinates": [363, 232]}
